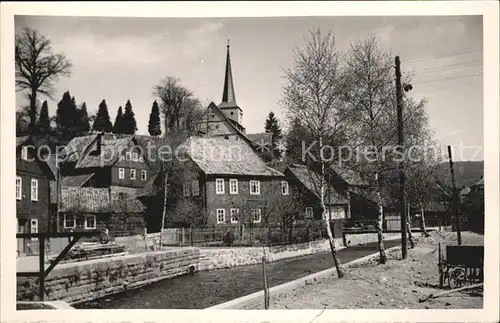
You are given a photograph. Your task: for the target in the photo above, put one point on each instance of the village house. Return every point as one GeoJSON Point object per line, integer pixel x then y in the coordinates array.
{"type": "Point", "coordinates": [99, 177]}
{"type": "Point", "coordinates": [33, 176]}
{"type": "Point", "coordinates": [227, 181]}
{"type": "Point", "coordinates": [306, 185]}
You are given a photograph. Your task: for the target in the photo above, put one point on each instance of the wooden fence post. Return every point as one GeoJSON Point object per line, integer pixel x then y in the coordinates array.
{"type": "Point", "coordinates": [266, 286]}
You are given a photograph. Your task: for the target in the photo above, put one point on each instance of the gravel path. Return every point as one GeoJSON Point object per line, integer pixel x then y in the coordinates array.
{"type": "Point", "coordinates": [398, 284]}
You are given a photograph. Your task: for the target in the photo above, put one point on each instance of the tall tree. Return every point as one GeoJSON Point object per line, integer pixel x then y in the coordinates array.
{"type": "Point", "coordinates": [180, 108]}
{"type": "Point", "coordinates": [129, 123]}
{"type": "Point", "coordinates": [44, 120]}
{"type": "Point", "coordinates": [272, 126]}
{"type": "Point", "coordinates": [84, 124]}
{"type": "Point", "coordinates": [154, 127]}
{"type": "Point", "coordinates": [67, 118]}
{"type": "Point", "coordinates": [370, 94]}
{"type": "Point", "coordinates": [118, 125]}
{"type": "Point", "coordinates": [312, 94]}
{"type": "Point", "coordinates": [37, 68]}
{"type": "Point", "coordinates": [102, 121]}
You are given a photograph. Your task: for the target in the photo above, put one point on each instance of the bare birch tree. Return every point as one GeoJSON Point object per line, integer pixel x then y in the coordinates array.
{"type": "Point", "coordinates": [369, 93]}
{"type": "Point", "coordinates": [312, 94]}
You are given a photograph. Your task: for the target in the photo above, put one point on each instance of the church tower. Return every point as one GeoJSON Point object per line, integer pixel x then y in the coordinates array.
{"type": "Point", "coordinates": [228, 105]}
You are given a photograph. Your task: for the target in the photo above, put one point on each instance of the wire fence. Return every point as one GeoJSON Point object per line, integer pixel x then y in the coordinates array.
{"type": "Point", "coordinates": [241, 235]}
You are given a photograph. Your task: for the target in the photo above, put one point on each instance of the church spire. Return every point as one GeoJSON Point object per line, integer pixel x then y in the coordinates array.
{"type": "Point", "coordinates": [228, 95]}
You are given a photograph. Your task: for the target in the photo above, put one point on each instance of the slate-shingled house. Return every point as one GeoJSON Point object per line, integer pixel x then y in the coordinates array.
{"type": "Point", "coordinates": [305, 185]}
{"type": "Point", "coordinates": [230, 183]}
{"type": "Point", "coordinates": [33, 176]}
{"type": "Point", "coordinates": [100, 175]}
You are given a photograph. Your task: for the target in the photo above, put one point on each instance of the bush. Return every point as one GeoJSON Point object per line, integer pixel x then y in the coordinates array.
{"type": "Point", "coordinates": [228, 238]}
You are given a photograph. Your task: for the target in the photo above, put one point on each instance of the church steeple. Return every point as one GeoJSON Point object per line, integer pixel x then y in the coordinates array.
{"type": "Point", "coordinates": [228, 95]}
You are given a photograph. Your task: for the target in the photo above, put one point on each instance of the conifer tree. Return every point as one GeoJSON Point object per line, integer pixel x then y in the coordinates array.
{"type": "Point", "coordinates": [67, 117]}
{"type": "Point", "coordinates": [272, 126]}
{"type": "Point", "coordinates": [118, 126]}
{"type": "Point", "coordinates": [129, 123]}
{"type": "Point", "coordinates": [43, 126]}
{"type": "Point", "coordinates": [154, 127]}
{"type": "Point", "coordinates": [102, 121]}
{"type": "Point", "coordinates": [84, 125]}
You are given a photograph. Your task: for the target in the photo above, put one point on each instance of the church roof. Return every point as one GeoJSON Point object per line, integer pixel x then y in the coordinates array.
{"type": "Point", "coordinates": [228, 95]}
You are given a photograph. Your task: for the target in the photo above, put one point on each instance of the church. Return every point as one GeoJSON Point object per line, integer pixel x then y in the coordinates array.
{"type": "Point", "coordinates": [226, 119]}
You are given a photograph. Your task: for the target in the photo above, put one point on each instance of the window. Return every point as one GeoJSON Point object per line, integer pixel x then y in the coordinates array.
{"type": "Point", "coordinates": [19, 187]}
{"type": "Point", "coordinates": [219, 186]}
{"type": "Point", "coordinates": [221, 216]}
{"type": "Point", "coordinates": [24, 153]}
{"type": "Point", "coordinates": [254, 187]}
{"type": "Point", "coordinates": [135, 156]}
{"type": "Point", "coordinates": [256, 215]}
{"type": "Point", "coordinates": [34, 227]}
{"type": "Point", "coordinates": [295, 190]}
{"type": "Point", "coordinates": [132, 173]}
{"type": "Point", "coordinates": [195, 187]}
{"type": "Point", "coordinates": [284, 188]}
{"type": "Point", "coordinates": [90, 222]}
{"type": "Point", "coordinates": [141, 159]}
{"type": "Point", "coordinates": [122, 157]}
{"type": "Point", "coordinates": [185, 188]}
{"type": "Point", "coordinates": [34, 189]}
{"type": "Point", "coordinates": [143, 175]}
{"type": "Point", "coordinates": [233, 186]}
{"type": "Point", "coordinates": [128, 155]}
{"type": "Point", "coordinates": [121, 173]}
{"type": "Point", "coordinates": [235, 215]}
{"type": "Point", "coordinates": [309, 212]}
{"type": "Point", "coordinates": [69, 221]}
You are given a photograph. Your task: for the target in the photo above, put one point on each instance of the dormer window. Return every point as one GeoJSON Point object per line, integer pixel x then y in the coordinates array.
{"type": "Point", "coordinates": [128, 155]}
{"type": "Point", "coordinates": [135, 156]}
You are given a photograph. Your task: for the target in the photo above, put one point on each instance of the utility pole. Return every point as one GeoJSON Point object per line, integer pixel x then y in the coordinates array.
{"type": "Point", "coordinates": [399, 103]}
{"type": "Point", "coordinates": [455, 200]}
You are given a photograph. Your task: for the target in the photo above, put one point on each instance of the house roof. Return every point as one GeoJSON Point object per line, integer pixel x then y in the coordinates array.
{"type": "Point", "coordinates": [75, 148]}
{"type": "Point", "coordinates": [150, 189]}
{"type": "Point", "coordinates": [311, 180]}
{"type": "Point", "coordinates": [21, 140]}
{"type": "Point", "coordinates": [350, 176]}
{"type": "Point", "coordinates": [217, 155]}
{"type": "Point", "coordinates": [151, 147]}
{"type": "Point", "coordinates": [261, 139]}
{"type": "Point", "coordinates": [76, 181]}
{"type": "Point", "coordinates": [111, 149]}
{"type": "Point", "coordinates": [95, 200]}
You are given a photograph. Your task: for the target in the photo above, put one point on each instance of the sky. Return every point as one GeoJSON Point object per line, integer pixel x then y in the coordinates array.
{"type": "Point", "coordinates": [120, 59]}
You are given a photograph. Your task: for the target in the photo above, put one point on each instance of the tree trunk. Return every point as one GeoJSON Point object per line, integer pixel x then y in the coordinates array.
{"type": "Point", "coordinates": [424, 229]}
{"type": "Point", "coordinates": [380, 236]}
{"type": "Point", "coordinates": [338, 265]}
{"type": "Point", "coordinates": [165, 195]}
{"type": "Point", "coordinates": [348, 204]}
{"type": "Point", "coordinates": [33, 111]}
{"type": "Point", "coordinates": [408, 228]}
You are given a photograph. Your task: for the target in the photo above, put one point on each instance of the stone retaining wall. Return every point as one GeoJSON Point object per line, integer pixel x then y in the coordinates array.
{"type": "Point", "coordinates": [218, 258]}
{"type": "Point", "coordinates": [88, 280]}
